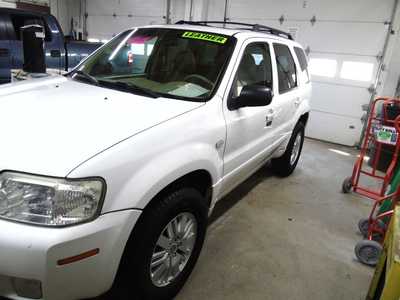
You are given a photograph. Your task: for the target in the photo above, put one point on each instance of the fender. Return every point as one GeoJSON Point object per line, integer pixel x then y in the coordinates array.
{"type": "Point", "coordinates": [137, 169]}
{"type": "Point", "coordinates": [164, 169]}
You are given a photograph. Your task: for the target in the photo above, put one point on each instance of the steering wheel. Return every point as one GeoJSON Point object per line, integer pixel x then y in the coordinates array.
{"type": "Point", "coordinates": [198, 79]}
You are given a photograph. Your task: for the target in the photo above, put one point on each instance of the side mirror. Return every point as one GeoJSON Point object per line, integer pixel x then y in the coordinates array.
{"type": "Point", "coordinates": [252, 95]}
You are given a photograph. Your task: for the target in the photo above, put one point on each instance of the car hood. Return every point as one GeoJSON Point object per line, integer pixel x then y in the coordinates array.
{"type": "Point", "coordinates": [51, 126]}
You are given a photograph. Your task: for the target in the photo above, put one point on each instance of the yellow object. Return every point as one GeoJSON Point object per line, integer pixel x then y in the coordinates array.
{"type": "Point", "coordinates": [385, 284]}
{"type": "Point", "coordinates": [205, 37]}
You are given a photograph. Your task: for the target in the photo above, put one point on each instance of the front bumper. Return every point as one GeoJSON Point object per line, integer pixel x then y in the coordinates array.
{"type": "Point", "coordinates": [32, 253]}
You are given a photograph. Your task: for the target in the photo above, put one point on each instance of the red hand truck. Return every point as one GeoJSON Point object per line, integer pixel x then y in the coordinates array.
{"type": "Point", "coordinates": [382, 133]}
{"type": "Point", "coordinates": [381, 130]}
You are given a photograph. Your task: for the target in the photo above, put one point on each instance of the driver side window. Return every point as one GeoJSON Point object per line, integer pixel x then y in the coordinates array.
{"type": "Point", "coordinates": [255, 68]}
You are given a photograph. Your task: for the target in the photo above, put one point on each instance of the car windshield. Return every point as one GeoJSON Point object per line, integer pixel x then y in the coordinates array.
{"type": "Point", "coordinates": [164, 62]}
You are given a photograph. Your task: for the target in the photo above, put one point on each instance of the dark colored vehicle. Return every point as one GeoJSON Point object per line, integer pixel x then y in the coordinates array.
{"type": "Point", "coordinates": [61, 53]}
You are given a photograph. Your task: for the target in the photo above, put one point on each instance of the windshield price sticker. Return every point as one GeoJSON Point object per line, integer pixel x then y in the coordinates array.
{"type": "Point", "coordinates": [205, 37]}
{"type": "Point", "coordinates": [386, 135]}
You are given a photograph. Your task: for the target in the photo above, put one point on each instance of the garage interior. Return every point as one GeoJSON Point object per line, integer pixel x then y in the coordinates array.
{"type": "Point", "coordinates": [272, 238]}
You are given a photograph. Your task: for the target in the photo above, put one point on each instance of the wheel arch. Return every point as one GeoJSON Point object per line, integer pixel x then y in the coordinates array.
{"type": "Point", "coordinates": [304, 118]}
{"type": "Point", "coordinates": [199, 179]}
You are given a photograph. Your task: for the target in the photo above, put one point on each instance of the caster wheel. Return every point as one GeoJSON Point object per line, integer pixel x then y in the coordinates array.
{"type": "Point", "coordinates": [346, 186]}
{"type": "Point", "coordinates": [363, 225]}
{"type": "Point", "coordinates": [368, 252]}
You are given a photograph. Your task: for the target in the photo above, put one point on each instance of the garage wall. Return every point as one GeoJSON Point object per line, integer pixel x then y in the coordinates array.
{"type": "Point", "coordinates": [67, 11]}
{"type": "Point", "coordinates": [106, 18]}
{"type": "Point", "coordinates": [392, 70]}
{"type": "Point", "coordinates": [392, 82]}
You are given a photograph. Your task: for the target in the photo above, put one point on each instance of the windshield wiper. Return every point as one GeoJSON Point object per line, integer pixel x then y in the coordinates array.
{"type": "Point", "coordinates": [85, 75]}
{"type": "Point", "coordinates": [129, 87]}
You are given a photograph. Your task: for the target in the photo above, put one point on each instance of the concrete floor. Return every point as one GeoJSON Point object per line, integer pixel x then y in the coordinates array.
{"type": "Point", "coordinates": [290, 238]}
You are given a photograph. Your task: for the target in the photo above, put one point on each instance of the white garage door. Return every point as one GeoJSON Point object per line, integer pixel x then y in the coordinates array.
{"type": "Point", "coordinates": [345, 41]}
{"type": "Point", "coordinates": [107, 18]}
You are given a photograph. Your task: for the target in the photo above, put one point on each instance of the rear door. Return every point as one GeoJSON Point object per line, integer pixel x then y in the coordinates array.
{"type": "Point", "coordinates": [5, 61]}
{"type": "Point", "coordinates": [288, 96]}
{"type": "Point", "coordinates": [303, 77]}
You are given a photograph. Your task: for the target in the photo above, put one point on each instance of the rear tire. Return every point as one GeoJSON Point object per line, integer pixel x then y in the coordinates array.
{"type": "Point", "coordinates": [285, 165]}
{"type": "Point", "coordinates": [139, 276]}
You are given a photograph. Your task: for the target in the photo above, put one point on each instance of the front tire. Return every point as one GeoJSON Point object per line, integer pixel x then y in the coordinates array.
{"type": "Point", "coordinates": [285, 165]}
{"type": "Point", "coordinates": [164, 248]}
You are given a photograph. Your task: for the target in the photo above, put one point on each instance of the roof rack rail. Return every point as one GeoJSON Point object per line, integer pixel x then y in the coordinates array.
{"type": "Point", "coordinates": [253, 27]}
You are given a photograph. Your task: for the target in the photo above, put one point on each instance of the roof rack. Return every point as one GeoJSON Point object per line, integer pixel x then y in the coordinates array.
{"type": "Point", "coordinates": [253, 27]}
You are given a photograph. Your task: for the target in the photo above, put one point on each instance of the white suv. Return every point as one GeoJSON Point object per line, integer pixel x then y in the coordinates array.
{"type": "Point", "coordinates": [108, 174]}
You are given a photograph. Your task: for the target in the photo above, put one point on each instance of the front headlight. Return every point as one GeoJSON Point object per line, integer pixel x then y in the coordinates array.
{"type": "Point", "coordinates": [49, 201]}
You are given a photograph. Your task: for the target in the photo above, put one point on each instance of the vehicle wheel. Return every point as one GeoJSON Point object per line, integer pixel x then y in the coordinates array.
{"type": "Point", "coordinates": [347, 185]}
{"type": "Point", "coordinates": [285, 165]}
{"type": "Point", "coordinates": [363, 226]}
{"type": "Point", "coordinates": [163, 248]}
{"type": "Point", "coordinates": [368, 252]}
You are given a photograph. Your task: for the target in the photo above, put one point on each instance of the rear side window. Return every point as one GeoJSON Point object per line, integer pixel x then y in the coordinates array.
{"type": "Point", "coordinates": [301, 57]}
{"type": "Point", "coordinates": [286, 68]}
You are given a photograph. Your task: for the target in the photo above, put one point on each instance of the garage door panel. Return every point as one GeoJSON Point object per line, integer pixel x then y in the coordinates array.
{"type": "Point", "coordinates": [106, 27]}
{"type": "Point", "coordinates": [97, 6]}
{"type": "Point", "coordinates": [103, 24]}
{"type": "Point", "coordinates": [344, 42]}
{"type": "Point", "coordinates": [333, 37]}
{"type": "Point", "coordinates": [339, 10]}
{"type": "Point", "coordinates": [125, 7]}
{"type": "Point", "coordinates": [142, 8]}
{"type": "Point", "coordinates": [216, 10]}
{"type": "Point", "coordinates": [340, 78]}
{"type": "Point", "coordinates": [342, 100]}
{"type": "Point", "coordinates": [334, 128]}
{"type": "Point", "coordinates": [357, 38]}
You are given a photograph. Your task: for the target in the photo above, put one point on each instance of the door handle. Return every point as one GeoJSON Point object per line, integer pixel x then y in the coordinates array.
{"type": "Point", "coordinates": [269, 117]}
{"type": "Point", "coordinates": [297, 102]}
{"type": "Point", "coordinates": [4, 52]}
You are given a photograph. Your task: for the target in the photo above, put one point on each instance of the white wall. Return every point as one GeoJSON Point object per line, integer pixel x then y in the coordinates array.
{"type": "Point", "coordinates": [65, 10]}
{"type": "Point", "coordinates": [393, 71]}
{"type": "Point", "coordinates": [391, 75]}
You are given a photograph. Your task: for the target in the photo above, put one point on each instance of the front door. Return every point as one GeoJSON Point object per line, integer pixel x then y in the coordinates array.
{"type": "Point", "coordinates": [251, 131]}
